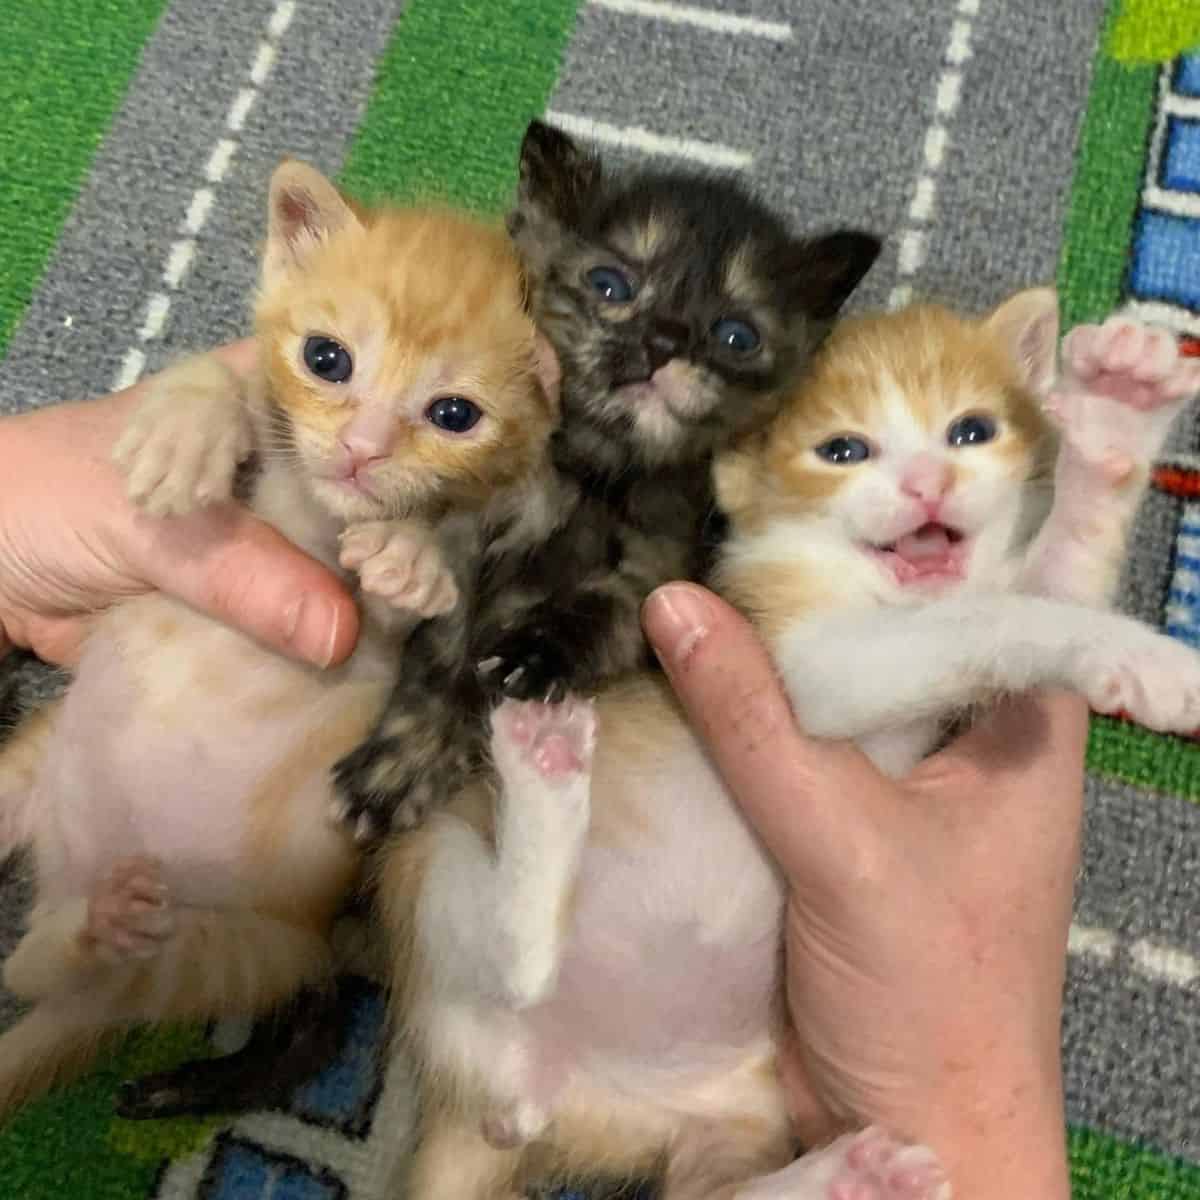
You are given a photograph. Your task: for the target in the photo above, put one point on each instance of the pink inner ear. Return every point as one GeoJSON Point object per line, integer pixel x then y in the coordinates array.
{"type": "Point", "coordinates": [296, 212]}
{"type": "Point", "coordinates": [1036, 346]}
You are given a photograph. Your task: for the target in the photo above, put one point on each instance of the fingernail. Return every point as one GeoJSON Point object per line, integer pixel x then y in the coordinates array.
{"type": "Point", "coordinates": [312, 629]}
{"type": "Point", "coordinates": [676, 621]}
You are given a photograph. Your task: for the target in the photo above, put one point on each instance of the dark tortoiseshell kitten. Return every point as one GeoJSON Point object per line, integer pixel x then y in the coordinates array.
{"type": "Point", "coordinates": [681, 310]}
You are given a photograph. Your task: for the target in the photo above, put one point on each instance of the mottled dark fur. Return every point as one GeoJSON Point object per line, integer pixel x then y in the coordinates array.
{"type": "Point", "coordinates": [556, 602]}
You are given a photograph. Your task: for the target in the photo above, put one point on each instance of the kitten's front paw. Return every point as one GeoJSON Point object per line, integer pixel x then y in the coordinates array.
{"type": "Point", "coordinates": [870, 1165]}
{"type": "Point", "coordinates": [400, 562]}
{"type": "Point", "coordinates": [1153, 678]}
{"type": "Point", "coordinates": [128, 915]}
{"type": "Point", "coordinates": [531, 663]}
{"type": "Point", "coordinates": [1123, 384]}
{"type": "Point", "coordinates": [181, 447]}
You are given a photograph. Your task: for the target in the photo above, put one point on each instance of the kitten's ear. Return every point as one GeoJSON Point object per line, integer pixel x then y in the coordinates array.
{"type": "Point", "coordinates": [557, 175]}
{"type": "Point", "coordinates": [827, 269]}
{"type": "Point", "coordinates": [1027, 327]}
{"type": "Point", "coordinates": [304, 208]}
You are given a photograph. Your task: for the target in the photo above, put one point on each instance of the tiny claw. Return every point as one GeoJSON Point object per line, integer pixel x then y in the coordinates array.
{"type": "Point", "coordinates": [513, 676]}
{"type": "Point", "coordinates": [364, 829]}
{"type": "Point", "coordinates": [485, 666]}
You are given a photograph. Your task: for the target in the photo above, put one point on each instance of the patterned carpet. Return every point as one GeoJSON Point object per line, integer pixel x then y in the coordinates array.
{"type": "Point", "coordinates": [997, 143]}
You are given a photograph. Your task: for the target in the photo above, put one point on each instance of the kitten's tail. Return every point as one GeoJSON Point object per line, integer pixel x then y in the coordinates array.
{"type": "Point", "coordinates": [50, 1046]}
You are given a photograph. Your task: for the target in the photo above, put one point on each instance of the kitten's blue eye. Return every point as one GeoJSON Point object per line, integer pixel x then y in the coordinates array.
{"type": "Point", "coordinates": [739, 336]}
{"type": "Point", "coordinates": [971, 431]}
{"type": "Point", "coordinates": [454, 414]}
{"type": "Point", "coordinates": [844, 450]}
{"type": "Point", "coordinates": [327, 359]}
{"type": "Point", "coordinates": [614, 286]}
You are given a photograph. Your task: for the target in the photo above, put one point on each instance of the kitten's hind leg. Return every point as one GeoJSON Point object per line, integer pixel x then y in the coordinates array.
{"type": "Point", "coordinates": [126, 918]}
{"type": "Point", "coordinates": [284, 1051]}
{"type": "Point", "coordinates": [453, 1160]}
{"type": "Point", "coordinates": [869, 1165]}
{"type": "Point", "coordinates": [492, 922]}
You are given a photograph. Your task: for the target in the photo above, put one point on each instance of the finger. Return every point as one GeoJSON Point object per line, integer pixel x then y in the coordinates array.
{"type": "Point", "coordinates": [728, 686]}
{"type": "Point", "coordinates": [227, 563]}
{"type": "Point", "coordinates": [811, 1121]}
{"type": "Point", "coordinates": [57, 640]}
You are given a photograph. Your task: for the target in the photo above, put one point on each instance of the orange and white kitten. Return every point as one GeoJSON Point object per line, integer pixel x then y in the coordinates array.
{"type": "Point", "coordinates": [588, 966]}
{"type": "Point", "coordinates": [177, 797]}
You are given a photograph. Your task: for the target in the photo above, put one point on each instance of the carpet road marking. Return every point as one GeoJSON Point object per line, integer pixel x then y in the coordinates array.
{"type": "Point", "coordinates": [183, 250]}
{"type": "Point", "coordinates": [635, 137]}
{"type": "Point", "coordinates": [914, 238]}
{"type": "Point", "coordinates": [1153, 960]}
{"type": "Point", "coordinates": [703, 18]}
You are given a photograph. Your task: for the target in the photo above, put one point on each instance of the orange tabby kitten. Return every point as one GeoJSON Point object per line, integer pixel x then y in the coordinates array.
{"type": "Point", "coordinates": [177, 797]}
{"type": "Point", "coordinates": [589, 971]}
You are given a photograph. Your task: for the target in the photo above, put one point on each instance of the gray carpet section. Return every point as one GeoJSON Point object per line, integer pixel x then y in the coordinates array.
{"type": "Point", "coordinates": [1131, 1037]}
{"type": "Point", "coordinates": [1001, 200]}
{"type": "Point", "coordinates": [1150, 564]}
{"type": "Point", "coordinates": [1132, 1058]}
{"type": "Point", "coordinates": [837, 118]}
{"type": "Point", "coordinates": [110, 258]}
{"type": "Point", "coordinates": [1141, 863]}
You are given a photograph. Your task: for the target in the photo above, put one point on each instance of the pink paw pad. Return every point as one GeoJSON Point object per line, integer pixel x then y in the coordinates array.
{"type": "Point", "coordinates": [877, 1167]}
{"type": "Point", "coordinates": [557, 739]}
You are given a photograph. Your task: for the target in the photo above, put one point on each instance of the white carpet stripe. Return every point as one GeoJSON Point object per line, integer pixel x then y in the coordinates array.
{"type": "Point", "coordinates": [914, 239]}
{"type": "Point", "coordinates": [635, 137]}
{"type": "Point", "coordinates": [703, 18]}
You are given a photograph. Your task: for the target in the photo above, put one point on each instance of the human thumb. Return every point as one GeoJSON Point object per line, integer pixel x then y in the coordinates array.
{"type": "Point", "coordinates": [790, 786]}
{"type": "Point", "coordinates": [227, 563]}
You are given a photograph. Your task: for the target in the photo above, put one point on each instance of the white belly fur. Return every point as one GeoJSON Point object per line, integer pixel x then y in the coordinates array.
{"type": "Point", "coordinates": [173, 726]}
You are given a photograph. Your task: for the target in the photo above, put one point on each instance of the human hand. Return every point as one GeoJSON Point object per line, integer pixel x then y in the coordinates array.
{"type": "Point", "coordinates": [71, 544]}
{"type": "Point", "coordinates": [927, 918]}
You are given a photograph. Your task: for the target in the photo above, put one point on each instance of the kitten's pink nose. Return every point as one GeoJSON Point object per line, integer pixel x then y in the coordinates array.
{"type": "Point", "coordinates": [361, 453]}
{"type": "Point", "coordinates": [927, 479]}
{"type": "Point", "coordinates": [367, 438]}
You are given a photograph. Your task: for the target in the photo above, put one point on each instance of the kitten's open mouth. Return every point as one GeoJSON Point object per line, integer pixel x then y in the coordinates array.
{"type": "Point", "coordinates": [933, 551]}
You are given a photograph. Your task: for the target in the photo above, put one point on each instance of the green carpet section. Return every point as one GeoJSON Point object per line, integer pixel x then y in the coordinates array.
{"type": "Point", "coordinates": [64, 67]}
{"type": "Point", "coordinates": [1104, 1168]}
{"type": "Point", "coordinates": [1131, 754]}
{"type": "Point", "coordinates": [1108, 178]}
{"type": "Point", "coordinates": [70, 1144]}
{"type": "Point", "coordinates": [1155, 30]}
{"type": "Point", "coordinates": [474, 65]}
